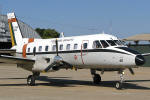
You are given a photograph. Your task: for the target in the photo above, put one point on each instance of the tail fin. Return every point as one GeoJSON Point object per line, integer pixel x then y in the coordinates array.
{"type": "Point", "coordinates": [15, 33]}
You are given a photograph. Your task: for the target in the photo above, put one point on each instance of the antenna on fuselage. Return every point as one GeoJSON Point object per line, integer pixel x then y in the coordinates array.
{"type": "Point", "coordinates": [62, 34]}
{"type": "Point", "coordinates": [103, 32]}
{"type": "Point", "coordinates": [110, 27]}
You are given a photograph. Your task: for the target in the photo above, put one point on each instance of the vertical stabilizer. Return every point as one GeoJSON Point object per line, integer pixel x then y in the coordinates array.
{"type": "Point", "coordinates": [15, 33]}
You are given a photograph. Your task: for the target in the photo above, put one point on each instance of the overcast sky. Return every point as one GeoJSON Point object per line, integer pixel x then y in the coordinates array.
{"type": "Point", "coordinates": [79, 17]}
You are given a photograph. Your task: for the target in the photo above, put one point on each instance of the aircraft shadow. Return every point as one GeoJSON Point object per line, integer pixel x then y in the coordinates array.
{"type": "Point", "coordinates": [72, 83]}
{"type": "Point", "coordinates": [67, 82]}
{"type": "Point", "coordinates": [12, 78]}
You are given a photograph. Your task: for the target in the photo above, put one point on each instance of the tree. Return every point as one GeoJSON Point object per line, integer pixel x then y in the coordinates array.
{"type": "Point", "coordinates": [47, 33]}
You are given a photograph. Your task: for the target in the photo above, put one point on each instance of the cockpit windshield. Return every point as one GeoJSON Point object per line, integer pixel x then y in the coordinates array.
{"type": "Point", "coordinates": [104, 43]}
{"type": "Point", "coordinates": [122, 42]}
{"type": "Point", "coordinates": [118, 42]}
{"type": "Point", "coordinates": [111, 42]}
{"type": "Point", "coordinates": [96, 44]}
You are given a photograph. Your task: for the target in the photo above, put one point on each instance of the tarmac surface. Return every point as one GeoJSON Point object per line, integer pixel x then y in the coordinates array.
{"type": "Point", "coordinates": [72, 85]}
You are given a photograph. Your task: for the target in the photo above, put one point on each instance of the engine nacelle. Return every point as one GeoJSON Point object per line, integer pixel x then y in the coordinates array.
{"type": "Point", "coordinates": [42, 64]}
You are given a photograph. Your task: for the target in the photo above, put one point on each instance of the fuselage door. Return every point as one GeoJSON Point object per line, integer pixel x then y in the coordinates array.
{"type": "Point", "coordinates": [84, 50]}
{"type": "Point", "coordinates": [84, 46]}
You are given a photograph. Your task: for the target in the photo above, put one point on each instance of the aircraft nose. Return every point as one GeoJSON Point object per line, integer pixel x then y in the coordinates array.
{"type": "Point", "coordinates": [139, 60]}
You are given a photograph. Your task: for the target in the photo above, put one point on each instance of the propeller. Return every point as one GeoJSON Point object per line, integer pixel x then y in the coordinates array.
{"type": "Point", "coordinates": [56, 42]}
{"type": "Point", "coordinates": [57, 58]}
{"type": "Point", "coordinates": [55, 65]}
{"type": "Point", "coordinates": [131, 71]}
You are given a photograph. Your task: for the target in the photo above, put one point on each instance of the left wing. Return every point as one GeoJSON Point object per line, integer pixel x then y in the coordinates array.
{"type": "Point", "coordinates": [8, 51]}
{"type": "Point", "coordinates": [15, 60]}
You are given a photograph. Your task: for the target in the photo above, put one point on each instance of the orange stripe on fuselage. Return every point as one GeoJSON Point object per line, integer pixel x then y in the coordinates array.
{"type": "Point", "coordinates": [25, 47]}
{"type": "Point", "coordinates": [12, 20]}
{"type": "Point", "coordinates": [24, 50]}
{"type": "Point", "coordinates": [31, 40]}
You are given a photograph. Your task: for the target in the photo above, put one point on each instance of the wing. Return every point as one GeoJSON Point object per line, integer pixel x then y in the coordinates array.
{"type": "Point", "coordinates": [7, 51]}
{"type": "Point", "coordinates": [15, 60]}
{"type": "Point", "coordinates": [145, 54]}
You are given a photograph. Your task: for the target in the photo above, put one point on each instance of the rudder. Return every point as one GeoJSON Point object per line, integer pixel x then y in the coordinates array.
{"type": "Point", "coordinates": [15, 33]}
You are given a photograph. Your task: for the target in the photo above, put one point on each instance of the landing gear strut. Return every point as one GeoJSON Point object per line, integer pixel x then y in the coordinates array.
{"type": "Point", "coordinates": [31, 78]}
{"type": "Point", "coordinates": [119, 85]}
{"type": "Point", "coordinates": [96, 77]}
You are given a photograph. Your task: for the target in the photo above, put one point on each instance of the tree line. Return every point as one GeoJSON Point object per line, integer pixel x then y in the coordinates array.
{"type": "Point", "coordinates": [47, 33]}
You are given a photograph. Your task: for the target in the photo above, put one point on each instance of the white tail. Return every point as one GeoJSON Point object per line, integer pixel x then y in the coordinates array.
{"type": "Point", "coordinates": [15, 33]}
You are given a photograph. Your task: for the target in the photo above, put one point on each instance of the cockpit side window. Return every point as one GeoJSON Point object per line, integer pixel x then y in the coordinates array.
{"type": "Point", "coordinates": [96, 44]}
{"type": "Point", "coordinates": [111, 42]}
{"type": "Point", "coordinates": [122, 42]}
{"type": "Point", "coordinates": [104, 43]}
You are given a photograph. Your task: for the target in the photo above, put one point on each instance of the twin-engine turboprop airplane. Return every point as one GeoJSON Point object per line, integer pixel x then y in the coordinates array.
{"type": "Point", "coordinates": [99, 52]}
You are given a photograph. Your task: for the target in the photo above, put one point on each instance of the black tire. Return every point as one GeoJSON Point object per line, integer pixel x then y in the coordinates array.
{"type": "Point", "coordinates": [97, 79]}
{"type": "Point", "coordinates": [31, 80]}
{"type": "Point", "coordinates": [36, 73]}
{"type": "Point", "coordinates": [119, 85]}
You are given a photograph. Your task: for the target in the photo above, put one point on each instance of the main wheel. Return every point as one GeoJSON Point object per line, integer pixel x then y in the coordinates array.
{"type": "Point", "coordinates": [97, 79]}
{"type": "Point", "coordinates": [31, 80]}
{"type": "Point", "coordinates": [118, 85]}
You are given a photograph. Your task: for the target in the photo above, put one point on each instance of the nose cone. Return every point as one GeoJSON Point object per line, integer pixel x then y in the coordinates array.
{"type": "Point", "coordinates": [139, 60]}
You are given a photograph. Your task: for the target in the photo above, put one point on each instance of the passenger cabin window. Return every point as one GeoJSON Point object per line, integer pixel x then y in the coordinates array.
{"type": "Point", "coordinates": [85, 45]}
{"type": "Point", "coordinates": [28, 49]}
{"type": "Point", "coordinates": [68, 47]}
{"type": "Point", "coordinates": [104, 43]}
{"type": "Point", "coordinates": [96, 44]}
{"type": "Point", "coordinates": [75, 46]}
{"type": "Point", "coordinates": [61, 47]}
{"type": "Point", "coordinates": [40, 48]}
{"type": "Point", "coordinates": [54, 47]}
{"type": "Point", "coordinates": [111, 42]}
{"type": "Point", "coordinates": [46, 48]}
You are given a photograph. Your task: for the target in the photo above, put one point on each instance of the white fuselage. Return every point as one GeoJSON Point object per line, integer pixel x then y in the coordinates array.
{"type": "Point", "coordinates": [81, 51]}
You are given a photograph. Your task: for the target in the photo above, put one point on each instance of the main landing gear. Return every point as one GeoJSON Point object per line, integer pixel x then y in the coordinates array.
{"type": "Point", "coordinates": [96, 77]}
{"type": "Point", "coordinates": [31, 78]}
{"type": "Point", "coordinates": [119, 85]}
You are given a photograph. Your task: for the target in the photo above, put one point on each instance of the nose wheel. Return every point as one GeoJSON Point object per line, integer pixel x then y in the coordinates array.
{"type": "Point", "coordinates": [118, 85]}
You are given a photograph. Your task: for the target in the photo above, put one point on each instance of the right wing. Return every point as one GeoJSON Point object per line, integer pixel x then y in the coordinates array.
{"type": "Point", "coordinates": [145, 54]}
{"type": "Point", "coordinates": [15, 60]}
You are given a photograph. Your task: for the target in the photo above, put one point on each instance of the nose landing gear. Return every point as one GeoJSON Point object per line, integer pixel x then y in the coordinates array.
{"type": "Point", "coordinates": [119, 85]}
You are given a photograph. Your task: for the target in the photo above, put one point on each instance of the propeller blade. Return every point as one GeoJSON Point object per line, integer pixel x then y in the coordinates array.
{"type": "Point", "coordinates": [56, 46]}
{"type": "Point", "coordinates": [131, 71]}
